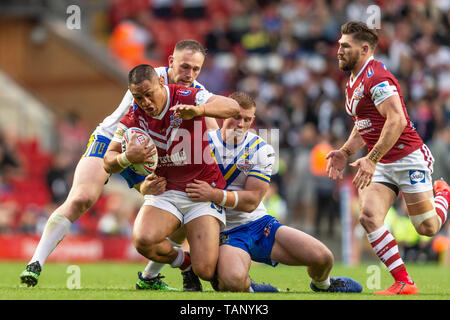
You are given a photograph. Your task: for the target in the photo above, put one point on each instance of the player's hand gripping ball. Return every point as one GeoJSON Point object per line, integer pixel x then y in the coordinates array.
{"type": "Point", "coordinates": [143, 169]}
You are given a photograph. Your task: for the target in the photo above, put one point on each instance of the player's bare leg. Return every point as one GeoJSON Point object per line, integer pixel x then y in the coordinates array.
{"type": "Point", "coordinates": [375, 201]}
{"type": "Point", "coordinates": [428, 214]}
{"type": "Point", "coordinates": [232, 269]}
{"type": "Point", "coordinates": [311, 253]}
{"type": "Point", "coordinates": [203, 238]}
{"type": "Point", "coordinates": [89, 179]}
{"type": "Point", "coordinates": [150, 231]}
{"type": "Point", "coordinates": [296, 248]}
{"type": "Point", "coordinates": [151, 227]}
{"type": "Point", "coordinates": [153, 269]}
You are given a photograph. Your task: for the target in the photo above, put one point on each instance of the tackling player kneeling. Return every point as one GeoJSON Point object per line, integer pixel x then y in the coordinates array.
{"type": "Point", "coordinates": [246, 162]}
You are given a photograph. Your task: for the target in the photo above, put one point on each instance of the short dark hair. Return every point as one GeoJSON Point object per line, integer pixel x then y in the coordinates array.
{"type": "Point", "coordinates": [141, 73]}
{"type": "Point", "coordinates": [360, 32]}
{"type": "Point", "coordinates": [243, 99]}
{"type": "Point", "coordinates": [190, 44]}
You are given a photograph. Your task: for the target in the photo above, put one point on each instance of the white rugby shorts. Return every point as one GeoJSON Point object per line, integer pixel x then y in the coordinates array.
{"type": "Point", "coordinates": [411, 174]}
{"type": "Point", "coordinates": [181, 206]}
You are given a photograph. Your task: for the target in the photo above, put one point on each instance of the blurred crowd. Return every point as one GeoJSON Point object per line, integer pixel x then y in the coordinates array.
{"type": "Point", "coordinates": [284, 54]}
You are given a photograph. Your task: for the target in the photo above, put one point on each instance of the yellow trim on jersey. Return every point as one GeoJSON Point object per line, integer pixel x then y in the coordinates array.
{"type": "Point", "coordinates": [245, 155]}
{"type": "Point", "coordinates": [259, 175]}
{"type": "Point", "coordinates": [91, 139]}
{"type": "Point", "coordinates": [213, 155]}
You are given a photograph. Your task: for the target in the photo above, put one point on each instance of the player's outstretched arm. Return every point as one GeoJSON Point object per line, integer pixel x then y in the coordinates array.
{"type": "Point", "coordinates": [215, 107]}
{"type": "Point", "coordinates": [337, 159]}
{"type": "Point", "coordinates": [221, 107]}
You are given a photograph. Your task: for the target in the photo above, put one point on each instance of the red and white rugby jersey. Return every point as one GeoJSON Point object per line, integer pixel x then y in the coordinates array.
{"type": "Point", "coordinates": [183, 146]}
{"type": "Point", "coordinates": [109, 125]}
{"type": "Point", "coordinates": [374, 84]}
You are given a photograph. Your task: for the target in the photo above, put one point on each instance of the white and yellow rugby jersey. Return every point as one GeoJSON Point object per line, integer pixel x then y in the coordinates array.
{"type": "Point", "coordinates": [109, 125]}
{"type": "Point", "coordinates": [253, 157]}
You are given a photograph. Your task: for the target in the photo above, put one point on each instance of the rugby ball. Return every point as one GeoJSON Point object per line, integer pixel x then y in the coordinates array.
{"type": "Point", "coordinates": [143, 169]}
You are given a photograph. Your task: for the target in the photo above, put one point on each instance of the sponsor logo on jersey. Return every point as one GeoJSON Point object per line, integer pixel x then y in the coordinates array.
{"type": "Point", "coordinates": [382, 90]}
{"type": "Point", "coordinates": [184, 92]}
{"type": "Point", "coordinates": [417, 176]}
{"type": "Point", "coordinates": [178, 158]}
{"type": "Point", "coordinates": [369, 72]}
{"type": "Point", "coordinates": [363, 124]}
{"type": "Point", "coordinates": [175, 120]}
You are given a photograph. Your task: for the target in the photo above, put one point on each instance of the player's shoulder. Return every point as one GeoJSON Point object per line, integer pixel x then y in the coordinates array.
{"type": "Point", "coordinates": [257, 142]}
{"type": "Point", "coordinates": [377, 71]}
{"type": "Point", "coordinates": [162, 71]}
{"type": "Point", "coordinates": [197, 85]}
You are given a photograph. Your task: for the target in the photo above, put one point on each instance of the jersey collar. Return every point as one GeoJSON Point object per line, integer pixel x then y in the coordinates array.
{"type": "Point", "coordinates": [352, 81]}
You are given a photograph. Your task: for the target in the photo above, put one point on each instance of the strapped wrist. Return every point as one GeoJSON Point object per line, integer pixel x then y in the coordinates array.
{"type": "Point", "coordinates": [123, 161]}
{"type": "Point", "coordinates": [229, 202]}
{"type": "Point", "coordinates": [224, 199]}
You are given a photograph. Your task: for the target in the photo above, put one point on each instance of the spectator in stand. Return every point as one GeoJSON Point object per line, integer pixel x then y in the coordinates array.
{"type": "Point", "coordinates": [59, 178]}
{"type": "Point", "coordinates": [440, 148]}
{"type": "Point", "coordinates": [8, 211]}
{"type": "Point", "coordinates": [256, 40]}
{"type": "Point", "coordinates": [218, 39]}
{"type": "Point", "coordinates": [132, 42]}
{"type": "Point", "coordinates": [163, 9]}
{"type": "Point", "coordinates": [194, 9]}
{"type": "Point", "coordinates": [326, 204]}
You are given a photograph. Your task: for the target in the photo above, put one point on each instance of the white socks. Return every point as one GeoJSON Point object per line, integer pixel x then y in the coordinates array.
{"type": "Point", "coordinates": [152, 269]}
{"type": "Point", "coordinates": [324, 285]}
{"type": "Point", "coordinates": [55, 229]}
{"type": "Point", "coordinates": [179, 259]}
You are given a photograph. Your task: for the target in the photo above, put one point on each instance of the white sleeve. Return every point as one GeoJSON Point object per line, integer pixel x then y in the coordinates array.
{"type": "Point", "coordinates": [382, 91]}
{"type": "Point", "coordinates": [202, 96]}
{"type": "Point", "coordinates": [120, 131]}
{"type": "Point", "coordinates": [264, 160]}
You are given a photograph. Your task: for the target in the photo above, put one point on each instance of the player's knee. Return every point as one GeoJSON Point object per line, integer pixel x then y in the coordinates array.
{"type": "Point", "coordinates": [427, 228]}
{"type": "Point", "coordinates": [368, 221]}
{"type": "Point", "coordinates": [144, 242]}
{"type": "Point", "coordinates": [204, 270]}
{"type": "Point", "coordinates": [233, 280]}
{"type": "Point", "coordinates": [81, 202]}
{"type": "Point", "coordinates": [324, 257]}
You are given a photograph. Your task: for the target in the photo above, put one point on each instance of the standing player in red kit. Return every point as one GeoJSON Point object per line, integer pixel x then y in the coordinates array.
{"type": "Point", "coordinates": [398, 160]}
{"type": "Point", "coordinates": [173, 116]}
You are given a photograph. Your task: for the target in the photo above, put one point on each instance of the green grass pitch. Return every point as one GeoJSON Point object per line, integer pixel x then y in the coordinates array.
{"type": "Point", "coordinates": [116, 281]}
